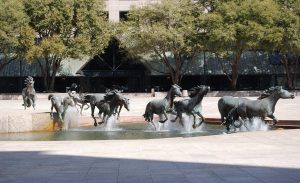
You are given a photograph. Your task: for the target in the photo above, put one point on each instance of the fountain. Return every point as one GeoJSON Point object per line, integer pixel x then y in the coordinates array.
{"type": "Point", "coordinates": [80, 127]}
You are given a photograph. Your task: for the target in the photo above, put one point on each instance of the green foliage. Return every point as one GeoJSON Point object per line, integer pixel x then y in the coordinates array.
{"type": "Point", "coordinates": [166, 28]}
{"type": "Point", "coordinates": [65, 29]}
{"type": "Point", "coordinates": [236, 26]}
{"type": "Point", "coordinates": [68, 28]}
{"type": "Point", "coordinates": [13, 21]}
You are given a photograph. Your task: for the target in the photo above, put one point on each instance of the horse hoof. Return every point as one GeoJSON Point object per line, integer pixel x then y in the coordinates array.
{"type": "Point", "coordinates": [95, 124]}
{"type": "Point", "coordinates": [194, 126]}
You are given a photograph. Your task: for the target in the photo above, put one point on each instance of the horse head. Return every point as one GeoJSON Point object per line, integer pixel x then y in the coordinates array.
{"type": "Point", "coordinates": [126, 103]}
{"type": "Point", "coordinates": [284, 94]}
{"type": "Point", "coordinates": [201, 89]}
{"type": "Point", "coordinates": [175, 90]}
{"type": "Point", "coordinates": [29, 81]}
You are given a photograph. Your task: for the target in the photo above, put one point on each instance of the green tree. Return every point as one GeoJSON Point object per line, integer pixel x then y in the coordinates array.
{"type": "Point", "coordinates": [13, 22]}
{"type": "Point", "coordinates": [65, 29]}
{"type": "Point", "coordinates": [233, 27]}
{"type": "Point", "coordinates": [288, 23]}
{"type": "Point", "coordinates": [166, 30]}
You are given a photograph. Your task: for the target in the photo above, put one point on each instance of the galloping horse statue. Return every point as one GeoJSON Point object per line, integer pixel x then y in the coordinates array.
{"type": "Point", "coordinates": [28, 93]}
{"type": "Point", "coordinates": [161, 106]}
{"type": "Point", "coordinates": [192, 106]}
{"type": "Point", "coordinates": [263, 107]}
{"type": "Point", "coordinates": [119, 99]}
{"type": "Point", "coordinates": [60, 105]}
{"type": "Point", "coordinates": [112, 101]}
{"type": "Point", "coordinates": [81, 100]}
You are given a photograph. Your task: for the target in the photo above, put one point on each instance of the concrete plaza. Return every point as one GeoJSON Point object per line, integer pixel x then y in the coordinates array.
{"type": "Point", "coordinates": [254, 157]}
{"type": "Point", "coordinates": [262, 156]}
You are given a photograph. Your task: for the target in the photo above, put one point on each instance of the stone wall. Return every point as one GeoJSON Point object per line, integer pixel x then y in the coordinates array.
{"type": "Point", "coordinates": [25, 122]}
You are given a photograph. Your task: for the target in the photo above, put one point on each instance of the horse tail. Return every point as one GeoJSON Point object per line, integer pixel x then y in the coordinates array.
{"type": "Point", "coordinates": [50, 96]}
{"type": "Point", "coordinates": [147, 114]}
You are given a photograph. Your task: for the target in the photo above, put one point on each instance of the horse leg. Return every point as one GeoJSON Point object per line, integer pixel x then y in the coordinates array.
{"type": "Point", "coordinates": [150, 120]}
{"type": "Point", "coordinates": [194, 124]}
{"type": "Point", "coordinates": [25, 102]}
{"type": "Point", "coordinates": [51, 113]}
{"type": "Point", "coordinates": [81, 107]}
{"type": "Point", "coordinates": [92, 114]}
{"type": "Point", "coordinates": [102, 118]}
{"type": "Point", "coordinates": [202, 119]}
{"type": "Point", "coordinates": [60, 120]}
{"type": "Point", "coordinates": [33, 103]}
{"type": "Point", "coordinates": [174, 120]}
{"type": "Point", "coordinates": [152, 123]}
{"type": "Point", "coordinates": [120, 108]}
{"type": "Point", "coordinates": [180, 118]}
{"type": "Point", "coordinates": [76, 104]}
{"type": "Point", "coordinates": [275, 121]}
{"type": "Point", "coordinates": [166, 117]}
{"type": "Point", "coordinates": [227, 128]}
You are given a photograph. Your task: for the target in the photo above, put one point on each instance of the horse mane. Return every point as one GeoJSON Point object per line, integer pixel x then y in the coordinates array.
{"type": "Point", "coordinates": [29, 81]}
{"type": "Point", "coordinates": [193, 91]}
{"type": "Point", "coordinates": [176, 86]}
{"type": "Point", "coordinates": [269, 92]}
{"type": "Point", "coordinates": [110, 94]}
{"type": "Point", "coordinates": [50, 96]}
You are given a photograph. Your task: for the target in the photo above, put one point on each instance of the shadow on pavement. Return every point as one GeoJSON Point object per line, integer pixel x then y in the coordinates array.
{"type": "Point", "coordinates": [38, 166]}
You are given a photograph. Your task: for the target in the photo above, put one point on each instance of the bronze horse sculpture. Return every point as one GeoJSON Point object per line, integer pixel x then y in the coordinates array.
{"type": "Point", "coordinates": [81, 100]}
{"type": "Point", "coordinates": [60, 105]}
{"type": "Point", "coordinates": [162, 106]}
{"type": "Point", "coordinates": [28, 93]}
{"type": "Point", "coordinates": [263, 107]}
{"type": "Point", "coordinates": [95, 100]}
{"type": "Point", "coordinates": [113, 101]}
{"type": "Point", "coordinates": [192, 106]}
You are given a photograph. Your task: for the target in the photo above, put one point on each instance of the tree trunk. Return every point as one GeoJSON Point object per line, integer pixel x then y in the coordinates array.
{"type": "Point", "coordinates": [55, 66]}
{"type": "Point", "coordinates": [287, 72]}
{"type": "Point", "coordinates": [52, 81]}
{"type": "Point", "coordinates": [44, 74]}
{"type": "Point", "coordinates": [235, 71]}
{"type": "Point", "coordinates": [176, 77]}
{"type": "Point", "coordinates": [296, 71]}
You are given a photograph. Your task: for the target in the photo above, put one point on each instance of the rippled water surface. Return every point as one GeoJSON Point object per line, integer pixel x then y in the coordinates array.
{"type": "Point", "coordinates": [118, 132]}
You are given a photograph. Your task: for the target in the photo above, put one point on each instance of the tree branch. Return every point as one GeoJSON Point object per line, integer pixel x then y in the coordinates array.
{"type": "Point", "coordinates": [223, 69]}
{"type": "Point", "coordinates": [5, 63]}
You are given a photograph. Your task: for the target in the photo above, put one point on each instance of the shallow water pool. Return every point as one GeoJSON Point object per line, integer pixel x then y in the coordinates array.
{"type": "Point", "coordinates": [120, 131]}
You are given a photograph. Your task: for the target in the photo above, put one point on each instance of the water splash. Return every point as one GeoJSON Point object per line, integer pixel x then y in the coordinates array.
{"type": "Point", "coordinates": [111, 124]}
{"type": "Point", "coordinates": [255, 124]}
{"type": "Point", "coordinates": [187, 127]}
{"type": "Point", "coordinates": [71, 118]}
{"type": "Point", "coordinates": [188, 122]}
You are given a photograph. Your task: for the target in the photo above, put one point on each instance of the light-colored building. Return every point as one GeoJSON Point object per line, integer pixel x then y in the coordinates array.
{"type": "Point", "coordinates": [115, 8]}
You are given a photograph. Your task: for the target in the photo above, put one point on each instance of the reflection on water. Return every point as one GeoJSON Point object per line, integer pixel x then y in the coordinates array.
{"type": "Point", "coordinates": [120, 132]}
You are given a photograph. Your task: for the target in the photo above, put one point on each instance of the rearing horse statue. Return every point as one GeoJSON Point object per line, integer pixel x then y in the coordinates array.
{"type": "Point", "coordinates": [161, 106]}
{"type": "Point", "coordinates": [28, 93]}
{"type": "Point", "coordinates": [192, 106]}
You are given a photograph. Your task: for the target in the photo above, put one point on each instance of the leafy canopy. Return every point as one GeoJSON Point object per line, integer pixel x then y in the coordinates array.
{"type": "Point", "coordinates": [13, 21]}
{"type": "Point", "coordinates": [66, 28]}
{"type": "Point", "coordinates": [166, 26]}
